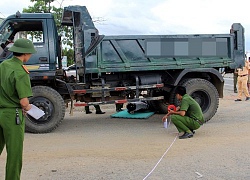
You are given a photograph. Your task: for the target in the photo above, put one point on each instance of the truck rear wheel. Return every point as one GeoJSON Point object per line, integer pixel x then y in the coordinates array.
{"type": "Point", "coordinates": [51, 102]}
{"type": "Point", "coordinates": [204, 93]}
{"type": "Point", "coordinates": [159, 106]}
{"type": "Point", "coordinates": [201, 90]}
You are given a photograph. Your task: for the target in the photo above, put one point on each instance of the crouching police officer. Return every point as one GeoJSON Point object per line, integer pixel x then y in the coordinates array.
{"type": "Point", "coordinates": [188, 116]}
{"type": "Point", "coordinates": [15, 89]}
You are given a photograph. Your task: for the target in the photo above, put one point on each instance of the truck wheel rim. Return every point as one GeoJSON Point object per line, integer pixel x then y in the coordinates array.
{"type": "Point", "coordinates": [45, 105]}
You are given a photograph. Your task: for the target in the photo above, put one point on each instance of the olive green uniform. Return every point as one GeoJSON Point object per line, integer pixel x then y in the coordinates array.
{"type": "Point", "coordinates": [193, 117]}
{"type": "Point", "coordinates": [14, 85]}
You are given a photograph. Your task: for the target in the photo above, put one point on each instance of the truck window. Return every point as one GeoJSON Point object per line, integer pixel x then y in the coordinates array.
{"type": "Point", "coordinates": [131, 49]}
{"type": "Point", "coordinates": [13, 30]}
{"type": "Point", "coordinates": [5, 33]}
{"type": "Point", "coordinates": [34, 36]}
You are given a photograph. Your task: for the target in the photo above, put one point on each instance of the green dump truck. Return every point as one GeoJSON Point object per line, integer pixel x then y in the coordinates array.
{"type": "Point", "coordinates": [120, 69]}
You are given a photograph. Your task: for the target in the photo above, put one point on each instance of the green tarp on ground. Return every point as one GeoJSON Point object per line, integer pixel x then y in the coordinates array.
{"type": "Point", "coordinates": [136, 115]}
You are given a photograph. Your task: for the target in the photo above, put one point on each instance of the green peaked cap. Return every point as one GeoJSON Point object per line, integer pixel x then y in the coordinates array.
{"type": "Point", "coordinates": [23, 46]}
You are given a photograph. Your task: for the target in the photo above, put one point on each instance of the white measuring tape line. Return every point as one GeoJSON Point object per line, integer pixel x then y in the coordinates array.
{"type": "Point", "coordinates": [162, 155]}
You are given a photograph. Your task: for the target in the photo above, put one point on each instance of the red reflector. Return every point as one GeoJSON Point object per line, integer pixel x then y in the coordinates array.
{"type": "Point", "coordinates": [121, 101]}
{"type": "Point", "coordinates": [120, 88]}
{"type": "Point", "coordinates": [82, 91]}
{"type": "Point", "coordinates": [80, 104]}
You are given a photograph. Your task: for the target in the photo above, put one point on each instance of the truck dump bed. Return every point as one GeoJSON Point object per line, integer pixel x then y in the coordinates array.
{"type": "Point", "coordinates": [151, 52]}
{"type": "Point", "coordinates": [163, 52]}
{"type": "Point", "coordinates": [140, 53]}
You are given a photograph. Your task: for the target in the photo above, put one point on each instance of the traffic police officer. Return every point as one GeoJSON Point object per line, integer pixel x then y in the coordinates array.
{"type": "Point", "coordinates": [242, 81]}
{"type": "Point", "coordinates": [15, 88]}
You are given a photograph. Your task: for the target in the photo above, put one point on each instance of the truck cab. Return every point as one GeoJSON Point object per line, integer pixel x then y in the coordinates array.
{"type": "Point", "coordinates": [38, 28]}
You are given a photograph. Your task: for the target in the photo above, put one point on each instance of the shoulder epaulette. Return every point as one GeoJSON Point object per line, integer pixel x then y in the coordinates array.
{"type": "Point", "coordinates": [25, 68]}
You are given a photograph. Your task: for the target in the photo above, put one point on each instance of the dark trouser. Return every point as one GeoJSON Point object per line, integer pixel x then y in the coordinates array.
{"type": "Point", "coordinates": [119, 107]}
{"type": "Point", "coordinates": [97, 108]}
{"type": "Point", "coordinates": [235, 81]}
{"type": "Point", "coordinates": [12, 136]}
{"type": "Point", "coordinates": [184, 123]}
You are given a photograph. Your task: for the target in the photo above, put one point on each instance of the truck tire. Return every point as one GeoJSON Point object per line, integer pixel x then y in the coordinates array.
{"type": "Point", "coordinates": [204, 93]}
{"type": "Point", "coordinates": [51, 102]}
{"type": "Point", "coordinates": [159, 106]}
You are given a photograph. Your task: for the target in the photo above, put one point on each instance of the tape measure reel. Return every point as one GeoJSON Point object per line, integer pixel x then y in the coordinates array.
{"type": "Point", "coordinates": [171, 107]}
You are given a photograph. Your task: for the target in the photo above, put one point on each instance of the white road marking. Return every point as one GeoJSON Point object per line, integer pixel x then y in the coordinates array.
{"type": "Point", "coordinates": [199, 175]}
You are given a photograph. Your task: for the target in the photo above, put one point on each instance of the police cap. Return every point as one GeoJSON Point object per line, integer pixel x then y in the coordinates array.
{"type": "Point", "coordinates": [23, 46]}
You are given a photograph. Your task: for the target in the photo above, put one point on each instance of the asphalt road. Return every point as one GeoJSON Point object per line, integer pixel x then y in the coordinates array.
{"type": "Point", "coordinates": [97, 147]}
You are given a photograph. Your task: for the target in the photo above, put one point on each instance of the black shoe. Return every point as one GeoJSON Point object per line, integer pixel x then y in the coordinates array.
{"type": "Point", "coordinates": [186, 135]}
{"type": "Point", "coordinates": [237, 100]}
{"type": "Point", "coordinates": [88, 112]}
{"type": "Point", "coordinates": [235, 91]}
{"type": "Point", "coordinates": [248, 98]}
{"type": "Point", "coordinates": [100, 112]}
{"type": "Point", "coordinates": [118, 110]}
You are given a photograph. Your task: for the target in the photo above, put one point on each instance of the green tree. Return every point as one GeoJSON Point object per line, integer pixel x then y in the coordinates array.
{"type": "Point", "coordinates": [70, 55]}
{"type": "Point", "coordinates": [44, 6]}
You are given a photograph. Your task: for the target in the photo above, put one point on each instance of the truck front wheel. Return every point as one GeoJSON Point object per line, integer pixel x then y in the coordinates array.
{"type": "Point", "coordinates": [51, 102]}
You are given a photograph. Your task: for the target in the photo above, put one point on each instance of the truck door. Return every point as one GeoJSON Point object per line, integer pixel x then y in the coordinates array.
{"type": "Point", "coordinates": [36, 31]}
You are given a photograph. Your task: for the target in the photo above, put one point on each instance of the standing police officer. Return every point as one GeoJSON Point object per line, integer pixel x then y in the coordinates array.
{"type": "Point", "coordinates": [242, 81]}
{"type": "Point", "coordinates": [15, 89]}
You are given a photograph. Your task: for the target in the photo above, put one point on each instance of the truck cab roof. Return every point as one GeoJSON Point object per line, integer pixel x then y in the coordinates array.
{"type": "Point", "coordinates": [31, 15]}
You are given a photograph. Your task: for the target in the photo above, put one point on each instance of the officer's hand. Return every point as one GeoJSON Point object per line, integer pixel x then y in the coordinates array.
{"type": "Point", "coordinates": [165, 117]}
{"type": "Point", "coordinates": [27, 107]}
{"type": "Point", "coordinates": [24, 112]}
{"type": "Point", "coordinates": [170, 111]}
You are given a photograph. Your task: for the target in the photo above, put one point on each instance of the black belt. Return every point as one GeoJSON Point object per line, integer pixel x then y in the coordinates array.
{"type": "Point", "coordinates": [200, 122]}
{"type": "Point", "coordinates": [243, 75]}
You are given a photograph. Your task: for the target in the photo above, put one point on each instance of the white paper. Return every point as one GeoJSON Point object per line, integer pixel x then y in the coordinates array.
{"type": "Point", "coordinates": [35, 112]}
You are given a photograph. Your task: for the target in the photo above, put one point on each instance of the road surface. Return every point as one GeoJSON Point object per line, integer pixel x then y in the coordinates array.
{"type": "Point", "coordinates": [97, 147]}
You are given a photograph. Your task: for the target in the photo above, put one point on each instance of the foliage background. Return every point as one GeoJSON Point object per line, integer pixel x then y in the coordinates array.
{"type": "Point", "coordinates": [46, 6]}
